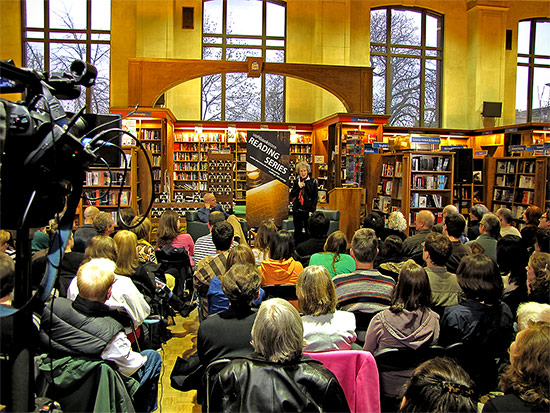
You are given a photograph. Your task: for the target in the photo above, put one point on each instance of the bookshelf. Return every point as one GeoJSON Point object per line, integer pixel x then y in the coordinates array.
{"type": "Point", "coordinates": [220, 177]}
{"type": "Point", "coordinates": [518, 182]}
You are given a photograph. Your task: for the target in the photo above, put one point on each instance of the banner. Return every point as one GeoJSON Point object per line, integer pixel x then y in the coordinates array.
{"type": "Point", "coordinates": [267, 176]}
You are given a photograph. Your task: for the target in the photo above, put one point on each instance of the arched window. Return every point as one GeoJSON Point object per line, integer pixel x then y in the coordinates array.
{"type": "Point", "coordinates": [406, 49]}
{"type": "Point", "coordinates": [235, 30]}
{"type": "Point", "coordinates": [533, 74]}
{"type": "Point", "coordinates": [56, 32]}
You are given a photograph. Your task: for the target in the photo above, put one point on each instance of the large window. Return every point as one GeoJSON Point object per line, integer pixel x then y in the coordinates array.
{"type": "Point", "coordinates": [533, 74]}
{"type": "Point", "coordinates": [234, 30]}
{"type": "Point", "coordinates": [406, 54]}
{"type": "Point", "coordinates": [56, 32]}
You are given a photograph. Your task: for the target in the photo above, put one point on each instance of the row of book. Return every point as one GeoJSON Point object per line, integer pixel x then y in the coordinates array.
{"type": "Point", "coordinates": [186, 156]}
{"type": "Point", "coordinates": [429, 181]}
{"type": "Point", "coordinates": [504, 180]}
{"type": "Point", "coordinates": [412, 218]}
{"type": "Point", "coordinates": [105, 178]}
{"type": "Point", "coordinates": [190, 176]}
{"type": "Point", "coordinates": [189, 147]}
{"type": "Point", "coordinates": [526, 181]}
{"type": "Point", "coordinates": [434, 163]}
{"type": "Point", "coordinates": [506, 167]}
{"type": "Point", "coordinates": [191, 186]}
{"type": "Point", "coordinates": [152, 146]}
{"type": "Point", "coordinates": [99, 197]}
{"type": "Point", "coordinates": [150, 134]}
{"type": "Point", "coordinates": [426, 200]}
{"type": "Point", "coordinates": [199, 137]}
{"type": "Point", "coordinates": [507, 195]}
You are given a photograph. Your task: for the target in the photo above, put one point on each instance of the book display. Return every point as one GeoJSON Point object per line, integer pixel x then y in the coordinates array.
{"type": "Point", "coordinates": [220, 177]}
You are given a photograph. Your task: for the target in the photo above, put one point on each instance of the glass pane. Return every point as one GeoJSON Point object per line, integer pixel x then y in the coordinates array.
{"type": "Point", "coordinates": [63, 54]}
{"type": "Point", "coordinates": [101, 59]}
{"type": "Point", "coordinates": [101, 37]}
{"type": "Point", "coordinates": [244, 17]}
{"type": "Point", "coordinates": [431, 95]}
{"type": "Point", "coordinates": [541, 95]}
{"type": "Point", "coordinates": [240, 55]}
{"type": "Point", "coordinates": [539, 61]}
{"type": "Point", "coordinates": [247, 41]}
{"type": "Point", "coordinates": [405, 27]}
{"type": "Point", "coordinates": [523, 59]}
{"type": "Point", "coordinates": [243, 97]}
{"type": "Point", "coordinates": [34, 56]}
{"type": "Point", "coordinates": [433, 53]}
{"type": "Point", "coordinates": [542, 38]}
{"type": "Point", "coordinates": [212, 53]}
{"type": "Point", "coordinates": [34, 35]}
{"type": "Point", "coordinates": [211, 97]}
{"type": "Point", "coordinates": [524, 32]}
{"type": "Point", "coordinates": [378, 26]}
{"type": "Point", "coordinates": [101, 15]}
{"type": "Point", "coordinates": [405, 51]}
{"type": "Point", "coordinates": [275, 56]}
{"type": "Point", "coordinates": [68, 14]}
{"type": "Point", "coordinates": [34, 13]}
{"type": "Point", "coordinates": [212, 16]}
{"type": "Point", "coordinates": [81, 37]}
{"type": "Point", "coordinates": [271, 42]}
{"type": "Point", "coordinates": [275, 24]}
{"type": "Point", "coordinates": [212, 40]}
{"type": "Point", "coordinates": [433, 31]}
{"type": "Point", "coordinates": [378, 49]}
{"type": "Point", "coordinates": [405, 91]}
{"type": "Point", "coordinates": [521, 94]}
{"type": "Point", "coordinates": [378, 84]}
{"type": "Point", "coordinates": [274, 98]}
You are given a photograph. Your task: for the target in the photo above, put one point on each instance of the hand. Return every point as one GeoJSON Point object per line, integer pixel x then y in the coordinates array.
{"type": "Point", "coordinates": [301, 184]}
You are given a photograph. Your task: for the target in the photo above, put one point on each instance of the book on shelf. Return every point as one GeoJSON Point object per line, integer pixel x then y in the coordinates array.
{"type": "Point", "coordinates": [445, 164]}
{"type": "Point", "coordinates": [442, 181]}
{"type": "Point", "coordinates": [385, 204]}
{"type": "Point", "coordinates": [398, 169]}
{"type": "Point", "coordinates": [501, 167]}
{"type": "Point", "coordinates": [528, 197]}
{"type": "Point", "coordinates": [375, 204]}
{"type": "Point", "coordinates": [423, 201]}
{"type": "Point", "coordinates": [526, 181]}
{"type": "Point", "coordinates": [499, 180]}
{"type": "Point", "coordinates": [497, 195]}
{"type": "Point", "coordinates": [507, 195]}
{"type": "Point", "coordinates": [478, 177]}
{"type": "Point", "coordinates": [388, 184]}
{"type": "Point", "coordinates": [400, 189]}
{"type": "Point", "coordinates": [518, 210]}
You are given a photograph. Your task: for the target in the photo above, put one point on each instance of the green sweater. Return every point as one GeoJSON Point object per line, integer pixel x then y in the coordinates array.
{"type": "Point", "coordinates": [344, 265]}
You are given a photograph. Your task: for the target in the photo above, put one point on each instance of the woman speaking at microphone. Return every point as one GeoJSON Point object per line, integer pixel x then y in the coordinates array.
{"type": "Point", "coordinates": [304, 192]}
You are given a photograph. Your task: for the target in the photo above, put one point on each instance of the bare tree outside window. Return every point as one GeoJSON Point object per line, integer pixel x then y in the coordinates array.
{"type": "Point", "coordinates": [406, 55]}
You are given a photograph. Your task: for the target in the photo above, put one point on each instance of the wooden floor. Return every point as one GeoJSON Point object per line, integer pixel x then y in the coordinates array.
{"type": "Point", "coordinates": [183, 343]}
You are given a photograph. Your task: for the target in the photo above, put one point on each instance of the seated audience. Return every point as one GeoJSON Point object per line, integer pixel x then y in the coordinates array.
{"type": "Point", "coordinates": [512, 260]}
{"type": "Point", "coordinates": [281, 267]}
{"type": "Point", "coordinates": [482, 322]}
{"type": "Point", "coordinates": [6, 244]}
{"type": "Point", "coordinates": [325, 328]}
{"type": "Point", "coordinates": [439, 385]}
{"type": "Point", "coordinates": [124, 296]}
{"type": "Point", "coordinates": [544, 222]}
{"type": "Point", "coordinates": [88, 328]}
{"type": "Point", "coordinates": [40, 240]}
{"type": "Point", "coordinates": [444, 285]}
{"type": "Point", "coordinates": [145, 251]}
{"type": "Point", "coordinates": [103, 224]}
{"type": "Point", "coordinates": [277, 377]}
{"type": "Point", "coordinates": [125, 218]}
{"type": "Point", "coordinates": [538, 278]}
{"type": "Point", "coordinates": [86, 232]}
{"type": "Point", "coordinates": [211, 205]}
{"type": "Point", "coordinates": [526, 381]}
{"type": "Point", "coordinates": [334, 257]}
{"type": "Point", "coordinates": [375, 221]}
{"type": "Point", "coordinates": [168, 233]}
{"type": "Point", "coordinates": [127, 262]}
{"type": "Point", "coordinates": [542, 243]}
{"type": "Point", "coordinates": [489, 233]}
{"type": "Point", "coordinates": [397, 224]}
{"type": "Point", "coordinates": [453, 227]}
{"type": "Point", "coordinates": [408, 323]}
{"type": "Point", "coordinates": [365, 290]}
{"type": "Point", "coordinates": [531, 216]}
{"type": "Point", "coordinates": [532, 312]}
{"type": "Point", "coordinates": [413, 245]}
{"type": "Point", "coordinates": [261, 244]}
{"type": "Point", "coordinates": [449, 209]}
{"type": "Point", "coordinates": [212, 266]}
{"type": "Point", "coordinates": [7, 279]}
{"type": "Point", "coordinates": [390, 259]}
{"type": "Point", "coordinates": [318, 225]}
{"type": "Point", "coordinates": [476, 213]}
{"type": "Point", "coordinates": [506, 217]}
{"type": "Point", "coordinates": [205, 245]}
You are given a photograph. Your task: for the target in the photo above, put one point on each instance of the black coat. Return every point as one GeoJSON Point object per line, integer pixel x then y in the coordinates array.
{"type": "Point", "coordinates": [310, 195]}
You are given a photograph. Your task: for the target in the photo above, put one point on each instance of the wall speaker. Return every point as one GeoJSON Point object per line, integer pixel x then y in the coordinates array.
{"type": "Point", "coordinates": [464, 165]}
{"type": "Point", "coordinates": [492, 109]}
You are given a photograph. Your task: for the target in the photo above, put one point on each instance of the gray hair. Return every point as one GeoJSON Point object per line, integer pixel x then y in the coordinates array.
{"type": "Point", "coordinates": [491, 223]}
{"type": "Point", "coordinates": [479, 210]}
{"type": "Point", "coordinates": [506, 214]}
{"type": "Point", "coordinates": [301, 165]}
{"type": "Point", "coordinates": [397, 221]}
{"type": "Point", "coordinates": [278, 333]}
{"type": "Point", "coordinates": [532, 312]}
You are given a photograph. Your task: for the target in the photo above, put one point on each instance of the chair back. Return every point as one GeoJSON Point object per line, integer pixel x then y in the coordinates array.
{"type": "Point", "coordinates": [401, 359]}
{"type": "Point", "coordinates": [209, 375]}
{"type": "Point", "coordinates": [177, 262]}
{"type": "Point", "coordinates": [357, 373]}
{"type": "Point", "coordinates": [285, 291]}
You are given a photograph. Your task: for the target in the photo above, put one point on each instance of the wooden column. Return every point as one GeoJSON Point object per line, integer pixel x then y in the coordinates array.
{"type": "Point", "coordinates": [348, 202]}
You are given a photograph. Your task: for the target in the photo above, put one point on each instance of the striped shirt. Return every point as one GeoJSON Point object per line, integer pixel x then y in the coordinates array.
{"type": "Point", "coordinates": [364, 290]}
{"type": "Point", "coordinates": [204, 247]}
{"type": "Point", "coordinates": [205, 271]}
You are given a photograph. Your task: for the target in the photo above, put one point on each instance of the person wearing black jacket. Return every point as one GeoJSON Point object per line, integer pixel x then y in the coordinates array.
{"type": "Point", "coordinates": [305, 194]}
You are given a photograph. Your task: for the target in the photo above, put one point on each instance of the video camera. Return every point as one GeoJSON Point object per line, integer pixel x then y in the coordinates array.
{"type": "Point", "coordinates": [42, 153]}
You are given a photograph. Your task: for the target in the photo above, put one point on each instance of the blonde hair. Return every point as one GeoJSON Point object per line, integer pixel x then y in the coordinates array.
{"type": "Point", "coordinates": [100, 246]}
{"type": "Point", "coordinates": [94, 279]}
{"type": "Point", "coordinates": [278, 333]}
{"type": "Point", "coordinates": [239, 254]}
{"type": "Point", "coordinates": [127, 256]}
{"type": "Point", "coordinates": [316, 292]}
{"type": "Point", "coordinates": [540, 262]}
{"type": "Point", "coordinates": [4, 237]}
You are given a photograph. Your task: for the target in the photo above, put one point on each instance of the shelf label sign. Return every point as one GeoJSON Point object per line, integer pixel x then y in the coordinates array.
{"type": "Point", "coordinates": [426, 139]}
{"type": "Point", "coordinates": [370, 150]}
{"type": "Point", "coordinates": [451, 147]}
{"type": "Point", "coordinates": [383, 145]}
{"type": "Point", "coordinates": [546, 145]}
{"type": "Point", "coordinates": [516, 148]}
{"type": "Point", "coordinates": [363, 120]}
{"type": "Point", "coordinates": [535, 148]}
{"type": "Point", "coordinates": [481, 153]}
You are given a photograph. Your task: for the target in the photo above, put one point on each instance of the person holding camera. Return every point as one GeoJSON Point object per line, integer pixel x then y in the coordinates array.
{"type": "Point", "coordinates": [305, 194]}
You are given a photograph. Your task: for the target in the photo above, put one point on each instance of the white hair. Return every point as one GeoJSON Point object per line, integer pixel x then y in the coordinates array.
{"type": "Point", "coordinates": [532, 312]}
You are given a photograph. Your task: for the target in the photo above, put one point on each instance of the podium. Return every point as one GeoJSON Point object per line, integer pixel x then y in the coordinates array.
{"type": "Point", "coordinates": [348, 202]}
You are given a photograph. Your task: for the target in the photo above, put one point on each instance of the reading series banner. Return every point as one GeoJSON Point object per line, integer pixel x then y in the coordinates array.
{"type": "Point", "coordinates": [267, 176]}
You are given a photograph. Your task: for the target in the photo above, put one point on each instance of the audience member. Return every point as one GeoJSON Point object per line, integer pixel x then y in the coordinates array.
{"type": "Point", "coordinates": [145, 251]}
{"type": "Point", "coordinates": [443, 284]}
{"type": "Point", "coordinates": [261, 244]}
{"type": "Point", "coordinates": [526, 381]}
{"type": "Point", "coordinates": [397, 225]}
{"type": "Point", "coordinates": [204, 246]}
{"type": "Point", "coordinates": [512, 259]}
{"type": "Point", "coordinates": [211, 205]}
{"type": "Point", "coordinates": [40, 240]}
{"type": "Point", "coordinates": [168, 233]}
{"type": "Point", "coordinates": [454, 226]}
{"type": "Point", "coordinates": [532, 312]}
{"type": "Point", "coordinates": [6, 244]}
{"type": "Point", "coordinates": [334, 257]}
{"type": "Point", "coordinates": [482, 322]}
{"type": "Point", "coordinates": [212, 266]}
{"type": "Point", "coordinates": [538, 278]}
{"type": "Point", "coordinates": [486, 242]}
{"type": "Point", "coordinates": [125, 218]}
{"type": "Point", "coordinates": [281, 267]}
{"type": "Point", "coordinates": [390, 259]}
{"type": "Point", "coordinates": [325, 328]}
{"type": "Point", "coordinates": [506, 217]}
{"type": "Point", "coordinates": [544, 222]}
{"type": "Point", "coordinates": [7, 279]}
{"type": "Point", "coordinates": [318, 225]}
{"type": "Point", "coordinates": [365, 289]}
{"type": "Point", "coordinates": [89, 328]}
{"type": "Point", "coordinates": [447, 210]}
{"type": "Point", "coordinates": [413, 245]}
{"type": "Point", "coordinates": [375, 221]}
{"type": "Point", "coordinates": [304, 193]}
{"type": "Point", "coordinates": [103, 224]}
{"type": "Point", "coordinates": [86, 232]}
{"type": "Point", "coordinates": [254, 383]}
{"type": "Point", "coordinates": [542, 240]}
{"type": "Point", "coordinates": [439, 385]}
{"type": "Point", "coordinates": [408, 323]}
{"type": "Point", "coordinates": [476, 213]}
{"type": "Point", "coordinates": [531, 216]}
